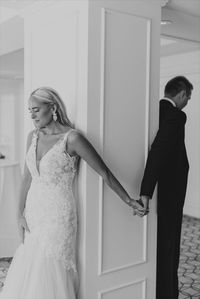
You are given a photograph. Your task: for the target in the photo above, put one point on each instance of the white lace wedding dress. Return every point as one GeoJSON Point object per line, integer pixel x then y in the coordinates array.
{"type": "Point", "coordinates": [44, 265]}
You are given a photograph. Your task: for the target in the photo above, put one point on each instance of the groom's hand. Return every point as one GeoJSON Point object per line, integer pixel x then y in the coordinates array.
{"type": "Point", "coordinates": [137, 207]}
{"type": "Point", "coordinates": [144, 201]}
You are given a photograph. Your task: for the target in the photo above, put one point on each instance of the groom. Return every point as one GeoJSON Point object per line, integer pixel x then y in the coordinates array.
{"type": "Point", "coordinates": [167, 165]}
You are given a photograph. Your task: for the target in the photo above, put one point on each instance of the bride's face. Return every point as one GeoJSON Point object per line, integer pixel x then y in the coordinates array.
{"type": "Point", "coordinates": [41, 113]}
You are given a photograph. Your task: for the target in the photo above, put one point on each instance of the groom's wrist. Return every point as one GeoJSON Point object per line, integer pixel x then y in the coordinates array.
{"type": "Point", "coordinates": [145, 196]}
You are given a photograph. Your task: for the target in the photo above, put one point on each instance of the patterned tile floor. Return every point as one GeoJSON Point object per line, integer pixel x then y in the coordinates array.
{"type": "Point", "coordinates": [189, 267]}
{"type": "Point", "coordinates": [4, 265]}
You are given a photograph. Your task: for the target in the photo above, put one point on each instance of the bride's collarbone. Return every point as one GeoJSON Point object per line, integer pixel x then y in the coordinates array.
{"type": "Point", "coordinates": [46, 143]}
{"type": "Point", "coordinates": [50, 138]}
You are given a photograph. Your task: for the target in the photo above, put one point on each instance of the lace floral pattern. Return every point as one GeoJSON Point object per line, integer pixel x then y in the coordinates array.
{"type": "Point", "coordinates": [50, 206]}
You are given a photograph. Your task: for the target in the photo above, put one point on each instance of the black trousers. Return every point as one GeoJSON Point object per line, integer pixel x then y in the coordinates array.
{"type": "Point", "coordinates": [170, 212]}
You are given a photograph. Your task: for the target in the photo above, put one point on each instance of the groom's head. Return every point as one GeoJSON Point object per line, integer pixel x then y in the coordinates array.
{"type": "Point", "coordinates": [179, 90]}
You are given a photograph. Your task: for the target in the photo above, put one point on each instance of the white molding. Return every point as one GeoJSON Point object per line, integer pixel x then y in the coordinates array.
{"type": "Point", "coordinates": [115, 11]}
{"type": "Point", "coordinates": [126, 266]}
{"type": "Point", "coordinates": [147, 140]}
{"type": "Point", "coordinates": [10, 245]}
{"type": "Point", "coordinates": [180, 39]}
{"type": "Point", "coordinates": [192, 210]}
{"type": "Point", "coordinates": [101, 183]}
{"type": "Point", "coordinates": [147, 112]}
{"type": "Point", "coordinates": [125, 285]}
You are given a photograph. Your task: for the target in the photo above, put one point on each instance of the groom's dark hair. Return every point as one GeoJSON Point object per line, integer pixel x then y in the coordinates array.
{"type": "Point", "coordinates": [177, 84]}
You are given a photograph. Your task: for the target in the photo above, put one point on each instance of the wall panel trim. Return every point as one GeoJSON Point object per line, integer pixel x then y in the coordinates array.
{"type": "Point", "coordinates": [102, 121]}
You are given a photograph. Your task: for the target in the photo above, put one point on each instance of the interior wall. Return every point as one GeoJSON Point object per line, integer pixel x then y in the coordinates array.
{"type": "Point", "coordinates": [188, 65]}
{"type": "Point", "coordinates": [11, 118]}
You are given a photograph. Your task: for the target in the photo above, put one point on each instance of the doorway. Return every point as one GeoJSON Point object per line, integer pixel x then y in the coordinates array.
{"type": "Point", "coordinates": [182, 57]}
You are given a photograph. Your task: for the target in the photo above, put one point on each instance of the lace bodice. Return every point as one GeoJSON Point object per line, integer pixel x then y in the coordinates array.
{"type": "Point", "coordinates": [50, 206]}
{"type": "Point", "coordinates": [55, 166]}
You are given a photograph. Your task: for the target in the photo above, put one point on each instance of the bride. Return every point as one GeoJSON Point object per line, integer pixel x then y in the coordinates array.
{"type": "Point", "coordinates": [44, 265]}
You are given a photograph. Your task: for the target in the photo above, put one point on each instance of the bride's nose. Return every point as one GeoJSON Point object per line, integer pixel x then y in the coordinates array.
{"type": "Point", "coordinates": [32, 114]}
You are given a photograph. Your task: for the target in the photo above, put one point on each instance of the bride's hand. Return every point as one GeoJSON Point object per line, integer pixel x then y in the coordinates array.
{"type": "Point", "coordinates": [138, 209]}
{"type": "Point", "coordinates": [23, 226]}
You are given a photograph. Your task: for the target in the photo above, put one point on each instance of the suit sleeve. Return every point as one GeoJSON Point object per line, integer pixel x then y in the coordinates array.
{"type": "Point", "coordinates": [161, 150]}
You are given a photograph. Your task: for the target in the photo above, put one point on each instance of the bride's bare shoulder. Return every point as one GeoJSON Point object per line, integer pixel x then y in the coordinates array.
{"type": "Point", "coordinates": [75, 134]}
{"type": "Point", "coordinates": [76, 138]}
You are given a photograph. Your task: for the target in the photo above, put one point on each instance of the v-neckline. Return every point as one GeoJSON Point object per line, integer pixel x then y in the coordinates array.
{"type": "Point", "coordinates": [38, 162]}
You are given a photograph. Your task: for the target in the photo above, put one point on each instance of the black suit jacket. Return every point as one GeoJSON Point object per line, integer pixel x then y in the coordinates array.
{"type": "Point", "coordinates": [167, 161]}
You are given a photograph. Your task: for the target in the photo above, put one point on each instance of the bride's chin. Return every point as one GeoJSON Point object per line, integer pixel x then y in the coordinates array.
{"type": "Point", "coordinates": [38, 125]}
{"type": "Point", "coordinates": [43, 125]}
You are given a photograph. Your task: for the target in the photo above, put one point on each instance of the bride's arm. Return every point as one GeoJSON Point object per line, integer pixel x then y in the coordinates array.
{"type": "Point", "coordinates": [79, 145]}
{"type": "Point", "coordinates": [24, 187]}
{"type": "Point", "coordinates": [26, 181]}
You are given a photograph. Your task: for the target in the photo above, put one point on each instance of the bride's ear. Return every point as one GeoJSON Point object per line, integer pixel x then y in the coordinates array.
{"type": "Point", "coordinates": [53, 108]}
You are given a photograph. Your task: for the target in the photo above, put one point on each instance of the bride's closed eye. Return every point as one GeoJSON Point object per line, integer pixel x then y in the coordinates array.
{"type": "Point", "coordinates": [30, 110]}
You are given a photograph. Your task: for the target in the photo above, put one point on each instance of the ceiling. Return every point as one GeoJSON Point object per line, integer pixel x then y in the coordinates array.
{"type": "Point", "coordinates": [12, 8]}
{"type": "Point", "coordinates": [184, 15]}
{"type": "Point", "coordinates": [16, 4]}
{"type": "Point", "coordinates": [182, 33]}
{"type": "Point", "coordinates": [191, 7]}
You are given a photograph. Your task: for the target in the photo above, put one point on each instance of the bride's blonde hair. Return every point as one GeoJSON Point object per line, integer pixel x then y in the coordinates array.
{"type": "Point", "coordinates": [50, 96]}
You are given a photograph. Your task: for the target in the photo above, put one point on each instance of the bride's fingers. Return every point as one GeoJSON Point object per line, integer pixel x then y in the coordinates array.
{"type": "Point", "coordinates": [139, 208]}
{"type": "Point", "coordinates": [21, 234]}
{"type": "Point", "coordinates": [138, 212]}
{"type": "Point", "coordinates": [134, 212]}
{"type": "Point", "coordinates": [25, 225]}
{"type": "Point", "coordinates": [139, 201]}
{"type": "Point", "coordinates": [141, 211]}
{"type": "Point", "coordinates": [146, 212]}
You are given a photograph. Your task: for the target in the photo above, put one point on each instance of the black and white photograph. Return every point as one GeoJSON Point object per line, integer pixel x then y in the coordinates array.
{"type": "Point", "coordinates": [99, 149]}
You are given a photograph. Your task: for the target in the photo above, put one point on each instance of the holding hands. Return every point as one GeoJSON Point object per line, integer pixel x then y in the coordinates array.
{"type": "Point", "coordinates": [141, 206]}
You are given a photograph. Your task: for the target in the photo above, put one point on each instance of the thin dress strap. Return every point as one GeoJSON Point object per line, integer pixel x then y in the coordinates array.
{"type": "Point", "coordinates": [66, 145]}
{"type": "Point", "coordinates": [67, 134]}
{"type": "Point", "coordinates": [65, 140]}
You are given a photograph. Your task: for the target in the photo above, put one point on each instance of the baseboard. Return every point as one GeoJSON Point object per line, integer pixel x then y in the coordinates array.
{"type": "Point", "coordinates": [192, 210]}
{"type": "Point", "coordinates": [8, 246]}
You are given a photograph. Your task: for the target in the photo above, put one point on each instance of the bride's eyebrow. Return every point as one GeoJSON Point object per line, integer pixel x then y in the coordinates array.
{"type": "Point", "coordinates": [31, 108]}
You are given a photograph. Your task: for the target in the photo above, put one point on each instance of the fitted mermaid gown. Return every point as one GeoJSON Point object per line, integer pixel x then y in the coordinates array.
{"type": "Point", "coordinates": [44, 266]}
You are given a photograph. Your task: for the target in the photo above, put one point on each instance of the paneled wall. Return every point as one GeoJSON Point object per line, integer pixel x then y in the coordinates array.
{"type": "Point", "coordinates": [122, 117]}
